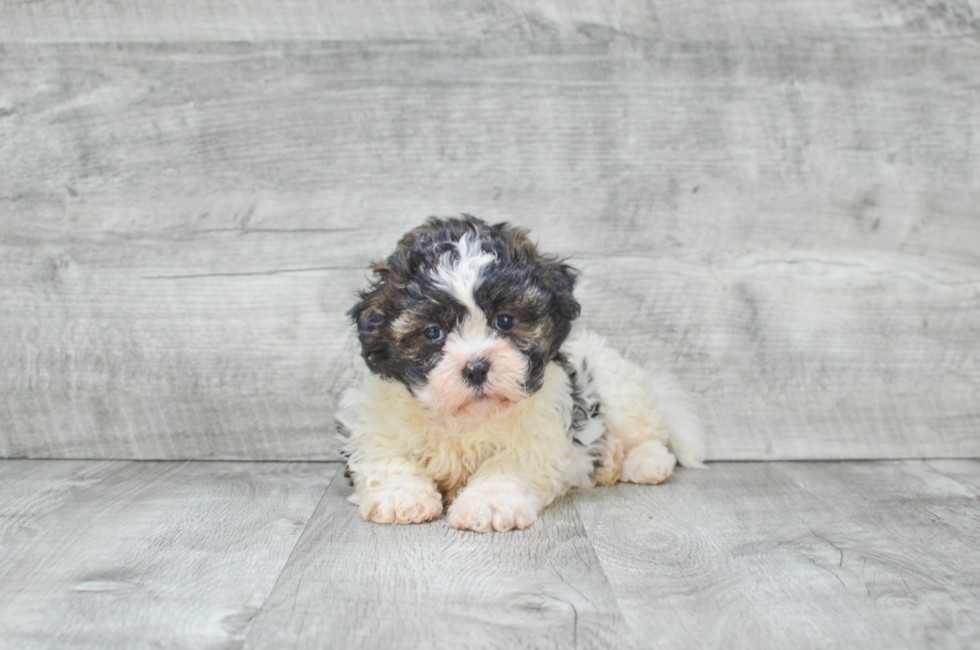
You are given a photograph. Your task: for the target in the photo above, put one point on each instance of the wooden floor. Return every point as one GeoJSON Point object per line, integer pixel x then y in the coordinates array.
{"type": "Point", "coordinates": [124, 554]}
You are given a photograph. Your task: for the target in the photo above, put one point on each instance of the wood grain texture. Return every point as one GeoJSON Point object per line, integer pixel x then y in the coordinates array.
{"type": "Point", "coordinates": [30, 491]}
{"type": "Point", "coordinates": [964, 471]}
{"type": "Point", "coordinates": [789, 223]}
{"type": "Point", "coordinates": [351, 583]}
{"type": "Point", "coordinates": [98, 554]}
{"type": "Point", "coordinates": [803, 555]}
{"type": "Point", "coordinates": [124, 357]}
{"type": "Point", "coordinates": [742, 21]}
{"type": "Point", "coordinates": [127, 555]}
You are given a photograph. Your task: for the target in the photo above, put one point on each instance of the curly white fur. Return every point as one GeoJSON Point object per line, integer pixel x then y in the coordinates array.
{"type": "Point", "coordinates": [640, 405]}
{"type": "Point", "coordinates": [407, 460]}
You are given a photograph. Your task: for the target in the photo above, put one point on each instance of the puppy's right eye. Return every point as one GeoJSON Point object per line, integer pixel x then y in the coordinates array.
{"type": "Point", "coordinates": [504, 322]}
{"type": "Point", "coordinates": [432, 333]}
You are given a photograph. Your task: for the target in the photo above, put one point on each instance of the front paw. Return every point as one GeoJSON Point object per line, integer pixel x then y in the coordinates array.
{"type": "Point", "coordinates": [401, 500]}
{"type": "Point", "coordinates": [497, 504]}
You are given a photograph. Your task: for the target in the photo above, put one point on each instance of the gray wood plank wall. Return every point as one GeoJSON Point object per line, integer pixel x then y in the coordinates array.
{"type": "Point", "coordinates": [780, 202]}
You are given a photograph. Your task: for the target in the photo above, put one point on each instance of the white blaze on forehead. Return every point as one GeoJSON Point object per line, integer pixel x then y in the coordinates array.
{"type": "Point", "coordinates": [462, 276]}
{"type": "Point", "coordinates": [446, 391]}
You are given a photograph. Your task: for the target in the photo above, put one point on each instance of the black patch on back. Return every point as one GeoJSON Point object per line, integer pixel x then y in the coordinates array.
{"type": "Point", "coordinates": [582, 410]}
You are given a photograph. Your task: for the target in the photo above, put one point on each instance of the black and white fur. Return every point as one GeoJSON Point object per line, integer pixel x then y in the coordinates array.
{"type": "Point", "coordinates": [476, 397]}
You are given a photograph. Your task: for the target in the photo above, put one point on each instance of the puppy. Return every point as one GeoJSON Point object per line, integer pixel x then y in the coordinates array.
{"type": "Point", "coordinates": [475, 397]}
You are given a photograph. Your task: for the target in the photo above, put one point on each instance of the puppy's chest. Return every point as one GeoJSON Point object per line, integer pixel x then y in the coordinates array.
{"type": "Point", "coordinates": [450, 458]}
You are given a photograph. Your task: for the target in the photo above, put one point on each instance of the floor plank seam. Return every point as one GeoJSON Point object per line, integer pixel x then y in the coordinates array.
{"type": "Point", "coordinates": [971, 488]}
{"type": "Point", "coordinates": [306, 527]}
{"type": "Point", "coordinates": [628, 630]}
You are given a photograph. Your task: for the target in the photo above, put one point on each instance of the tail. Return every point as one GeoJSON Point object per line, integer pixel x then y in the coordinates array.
{"type": "Point", "coordinates": [677, 409]}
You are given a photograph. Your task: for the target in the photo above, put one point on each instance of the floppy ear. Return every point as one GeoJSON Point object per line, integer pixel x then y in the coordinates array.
{"type": "Point", "coordinates": [365, 314]}
{"type": "Point", "coordinates": [369, 318]}
{"type": "Point", "coordinates": [554, 276]}
{"type": "Point", "coordinates": [558, 279]}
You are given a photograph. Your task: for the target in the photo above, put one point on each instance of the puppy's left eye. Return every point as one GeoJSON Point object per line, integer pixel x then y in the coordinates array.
{"type": "Point", "coordinates": [504, 322]}
{"type": "Point", "coordinates": [432, 333]}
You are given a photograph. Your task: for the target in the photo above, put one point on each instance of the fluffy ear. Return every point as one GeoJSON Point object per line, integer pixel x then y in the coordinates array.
{"type": "Point", "coordinates": [558, 279]}
{"type": "Point", "coordinates": [365, 314]}
{"type": "Point", "coordinates": [370, 320]}
{"type": "Point", "coordinates": [552, 275]}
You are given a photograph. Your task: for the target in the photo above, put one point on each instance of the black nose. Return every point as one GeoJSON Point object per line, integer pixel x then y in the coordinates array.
{"type": "Point", "coordinates": [475, 372]}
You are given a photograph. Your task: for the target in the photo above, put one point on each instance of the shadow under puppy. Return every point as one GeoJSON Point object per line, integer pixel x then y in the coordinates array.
{"type": "Point", "coordinates": [476, 396]}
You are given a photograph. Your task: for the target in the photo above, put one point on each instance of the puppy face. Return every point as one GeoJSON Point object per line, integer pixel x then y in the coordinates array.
{"type": "Point", "coordinates": [466, 315]}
